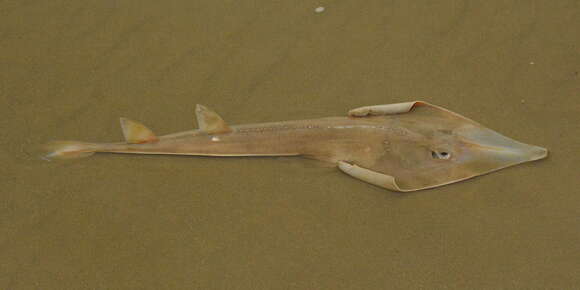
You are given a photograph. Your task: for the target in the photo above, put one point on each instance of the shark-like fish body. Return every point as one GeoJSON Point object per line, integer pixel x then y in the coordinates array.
{"type": "Point", "coordinates": [401, 147]}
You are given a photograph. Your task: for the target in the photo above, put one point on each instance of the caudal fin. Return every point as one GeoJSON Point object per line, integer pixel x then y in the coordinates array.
{"type": "Point", "coordinates": [68, 150]}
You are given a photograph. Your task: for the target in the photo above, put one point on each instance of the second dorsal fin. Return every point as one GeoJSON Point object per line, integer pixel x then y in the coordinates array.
{"type": "Point", "coordinates": [137, 133]}
{"type": "Point", "coordinates": [210, 122]}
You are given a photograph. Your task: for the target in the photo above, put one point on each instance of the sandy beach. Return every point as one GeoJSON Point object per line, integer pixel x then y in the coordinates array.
{"type": "Point", "coordinates": [70, 69]}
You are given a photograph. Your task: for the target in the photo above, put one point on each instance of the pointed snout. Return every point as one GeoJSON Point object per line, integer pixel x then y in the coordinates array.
{"type": "Point", "coordinates": [537, 152]}
{"type": "Point", "coordinates": [501, 148]}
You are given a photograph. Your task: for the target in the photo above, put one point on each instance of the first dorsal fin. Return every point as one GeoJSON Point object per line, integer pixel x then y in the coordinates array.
{"type": "Point", "coordinates": [210, 122]}
{"type": "Point", "coordinates": [137, 133]}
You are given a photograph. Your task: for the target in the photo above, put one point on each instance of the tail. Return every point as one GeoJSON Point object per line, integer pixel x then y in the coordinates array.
{"type": "Point", "coordinates": [135, 133]}
{"type": "Point", "coordinates": [68, 150]}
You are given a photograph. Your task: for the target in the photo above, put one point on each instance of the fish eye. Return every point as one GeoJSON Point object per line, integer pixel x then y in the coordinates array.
{"type": "Point", "coordinates": [440, 154]}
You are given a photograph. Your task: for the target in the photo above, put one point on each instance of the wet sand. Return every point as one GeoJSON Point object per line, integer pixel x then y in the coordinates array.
{"type": "Point", "coordinates": [69, 70]}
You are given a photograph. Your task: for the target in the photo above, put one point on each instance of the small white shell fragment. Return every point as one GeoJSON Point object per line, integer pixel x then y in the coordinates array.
{"type": "Point", "coordinates": [215, 138]}
{"type": "Point", "coordinates": [319, 9]}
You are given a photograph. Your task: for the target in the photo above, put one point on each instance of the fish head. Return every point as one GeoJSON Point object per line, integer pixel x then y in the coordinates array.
{"type": "Point", "coordinates": [442, 147]}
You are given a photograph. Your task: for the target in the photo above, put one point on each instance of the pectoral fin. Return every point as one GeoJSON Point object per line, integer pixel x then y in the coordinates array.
{"type": "Point", "coordinates": [210, 122]}
{"type": "Point", "coordinates": [372, 177]}
{"type": "Point", "coordinates": [378, 110]}
{"type": "Point", "coordinates": [136, 132]}
{"type": "Point", "coordinates": [398, 108]}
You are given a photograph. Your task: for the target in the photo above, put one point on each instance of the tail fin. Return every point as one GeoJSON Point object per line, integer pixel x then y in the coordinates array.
{"type": "Point", "coordinates": [68, 150]}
